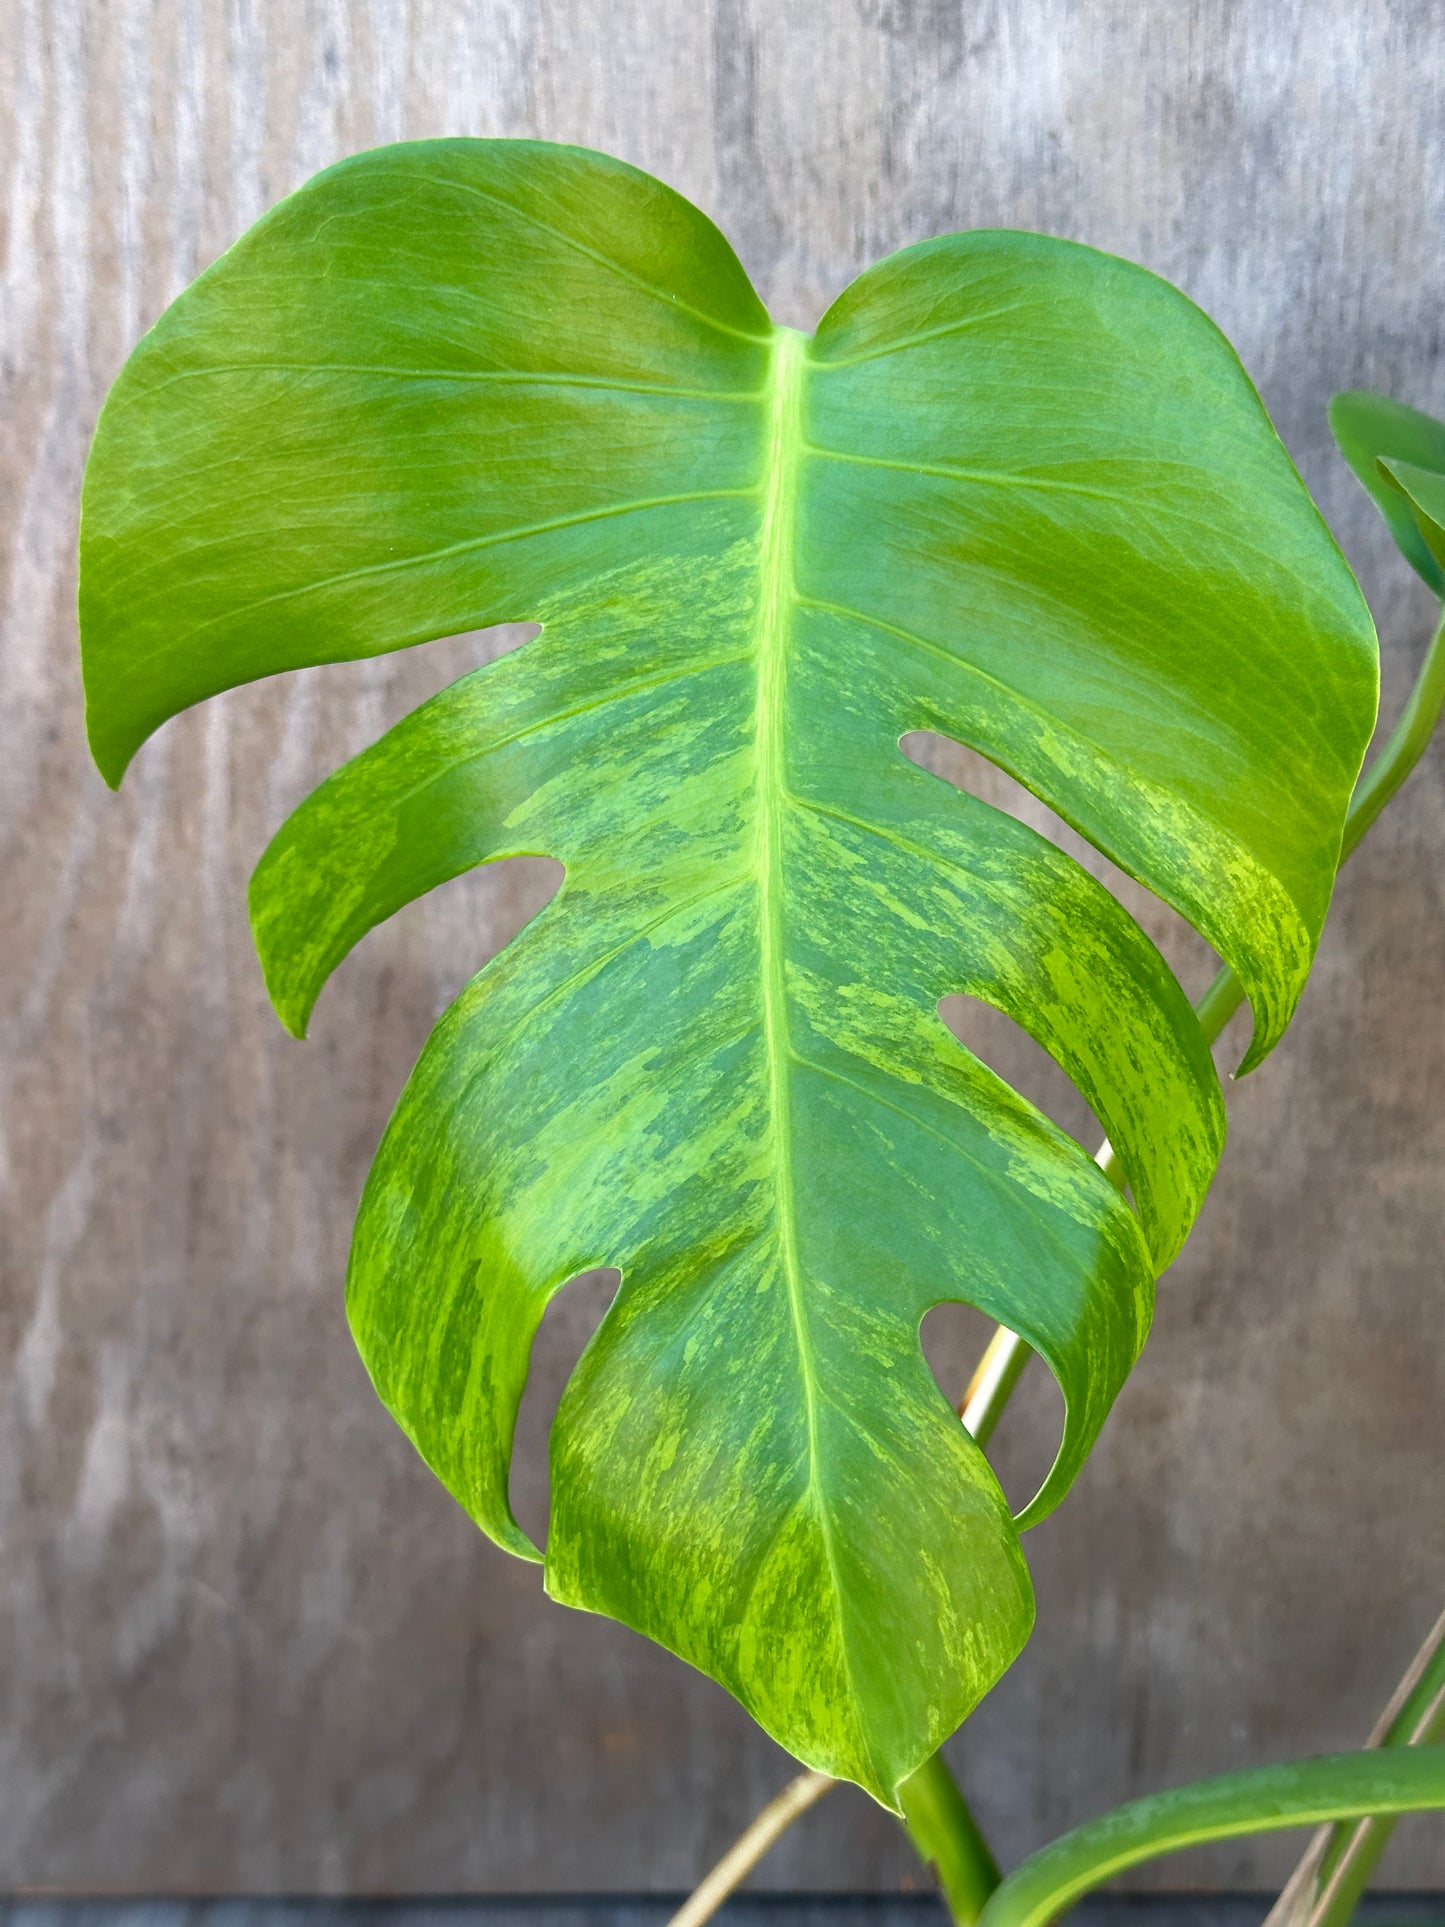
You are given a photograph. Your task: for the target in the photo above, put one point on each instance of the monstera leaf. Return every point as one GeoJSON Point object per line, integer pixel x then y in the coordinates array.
{"type": "Point", "coordinates": [1399, 455]}
{"type": "Point", "coordinates": [1012, 490]}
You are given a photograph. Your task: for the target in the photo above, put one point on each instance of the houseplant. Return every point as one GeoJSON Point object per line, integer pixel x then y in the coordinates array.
{"type": "Point", "coordinates": [1011, 490]}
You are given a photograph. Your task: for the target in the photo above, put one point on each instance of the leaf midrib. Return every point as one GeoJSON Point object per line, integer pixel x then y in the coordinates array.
{"type": "Point", "coordinates": [775, 605]}
{"type": "Point", "coordinates": [776, 601]}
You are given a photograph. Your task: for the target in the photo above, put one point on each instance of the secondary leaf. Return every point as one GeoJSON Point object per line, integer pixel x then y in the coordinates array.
{"type": "Point", "coordinates": [1339, 1786]}
{"type": "Point", "coordinates": [1424, 490]}
{"type": "Point", "coordinates": [1385, 443]}
{"type": "Point", "coordinates": [1012, 490]}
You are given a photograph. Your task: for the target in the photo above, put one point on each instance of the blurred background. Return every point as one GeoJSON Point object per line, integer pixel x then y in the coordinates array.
{"type": "Point", "coordinates": [247, 1644]}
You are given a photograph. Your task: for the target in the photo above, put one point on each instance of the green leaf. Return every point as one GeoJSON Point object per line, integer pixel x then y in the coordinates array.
{"type": "Point", "coordinates": [1263, 1800]}
{"type": "Point", "coordinates": [1012, 490]}
{"type": "Point", "coordinates": [1385, 442]}
{"type": "Point", "coordinates": [1424, 490]}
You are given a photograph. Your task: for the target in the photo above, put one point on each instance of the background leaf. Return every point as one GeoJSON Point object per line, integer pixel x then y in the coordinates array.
{"type": "Point", "coordinates": [1261, 1800]}
{"type": "Point", "coordinates": [1012, 490]}
{"type": "Point", "coordinates": [1377, 436]}
{"type": "Point", "coordinates": [1424, 489]}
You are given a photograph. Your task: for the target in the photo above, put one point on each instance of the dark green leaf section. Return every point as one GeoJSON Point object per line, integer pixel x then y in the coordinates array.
{"type": "Point", "coordinates": [1263, 1800]}
{"type": "Point", "coordinates": [1385, 441]}
{"type": "Point", "coordinates": [1013, 490]}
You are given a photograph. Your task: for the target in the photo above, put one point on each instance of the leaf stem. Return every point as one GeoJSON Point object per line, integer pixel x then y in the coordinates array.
{"type": "Point", "coordinates": [946, 1834]}
{"type": "Point", "coordinates": [993, 1382]}
{"type": "Point", "coordinates": [1405, 746]}
{"type": "Point", "coordinates": [747, 1850]}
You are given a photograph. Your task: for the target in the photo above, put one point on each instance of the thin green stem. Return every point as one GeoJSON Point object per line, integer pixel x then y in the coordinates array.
{"type": "Point", "coordinates": [946, 1834]}
{"type": "Point", "coordinates": [1406, 744]}
{"type": "Point", "coordinates": [1219, 1003]}
{"type": "Point", "coordinates": [948, 1830]}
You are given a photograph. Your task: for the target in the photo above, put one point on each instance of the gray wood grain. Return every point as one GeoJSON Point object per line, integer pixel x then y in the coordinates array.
{"type": "Point", "coordinates": [246, 1643]}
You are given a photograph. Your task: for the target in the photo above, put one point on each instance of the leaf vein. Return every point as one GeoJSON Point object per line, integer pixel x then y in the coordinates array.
{"type": "Point", "coordinates": [514, 377]}
{"type": "Point", "coordinates": [429, 556]}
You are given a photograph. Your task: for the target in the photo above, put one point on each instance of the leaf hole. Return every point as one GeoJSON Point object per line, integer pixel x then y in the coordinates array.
{"type": "Point", "coordinates": [953, 1337]}
{"type": "Point", "coordinates": [1022, 1451]}
{"type": "Point", "coordinates": [291, 730]}
{"type": "Point", "coordinates": [410, 969]}
{"type": "Point", "coordinates": [470, 917]}
{"type": "Point", "coordinates": [1191, 959]}
{"type": "Point", "coordinates": [572, 1316]}
{"type": "Point", "coordinates": [1024, 1065]}
{"type": "Point", "coordinates": [443, 661]}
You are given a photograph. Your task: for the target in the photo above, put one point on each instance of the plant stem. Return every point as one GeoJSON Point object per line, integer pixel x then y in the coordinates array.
{"type": "Point", "coordinates": [946, 1834]}
{"type": "Point", "coordinates": [993, 1382]}
{"type": "Point", "coordinates": [748, 1849]}
{"type": "Point", "coordinates": [1406, 744]}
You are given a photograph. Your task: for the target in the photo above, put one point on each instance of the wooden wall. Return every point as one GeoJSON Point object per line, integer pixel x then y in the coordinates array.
{"type": "Point", "coordinates": [246, 1643]}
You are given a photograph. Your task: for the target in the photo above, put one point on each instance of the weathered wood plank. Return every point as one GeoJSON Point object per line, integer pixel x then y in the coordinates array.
{"type": "Point", "coordinates": [245, 1643]}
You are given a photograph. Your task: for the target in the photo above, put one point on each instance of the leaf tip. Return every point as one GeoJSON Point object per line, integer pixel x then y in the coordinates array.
{"type": "Point", "coordinates": [293, 1008]}
{"type": "Point", "coordinates": [111, 755]}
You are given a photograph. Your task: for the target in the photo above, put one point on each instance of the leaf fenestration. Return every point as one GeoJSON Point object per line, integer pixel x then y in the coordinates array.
{"type": "Point", "coordinates": [1012, 490]}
